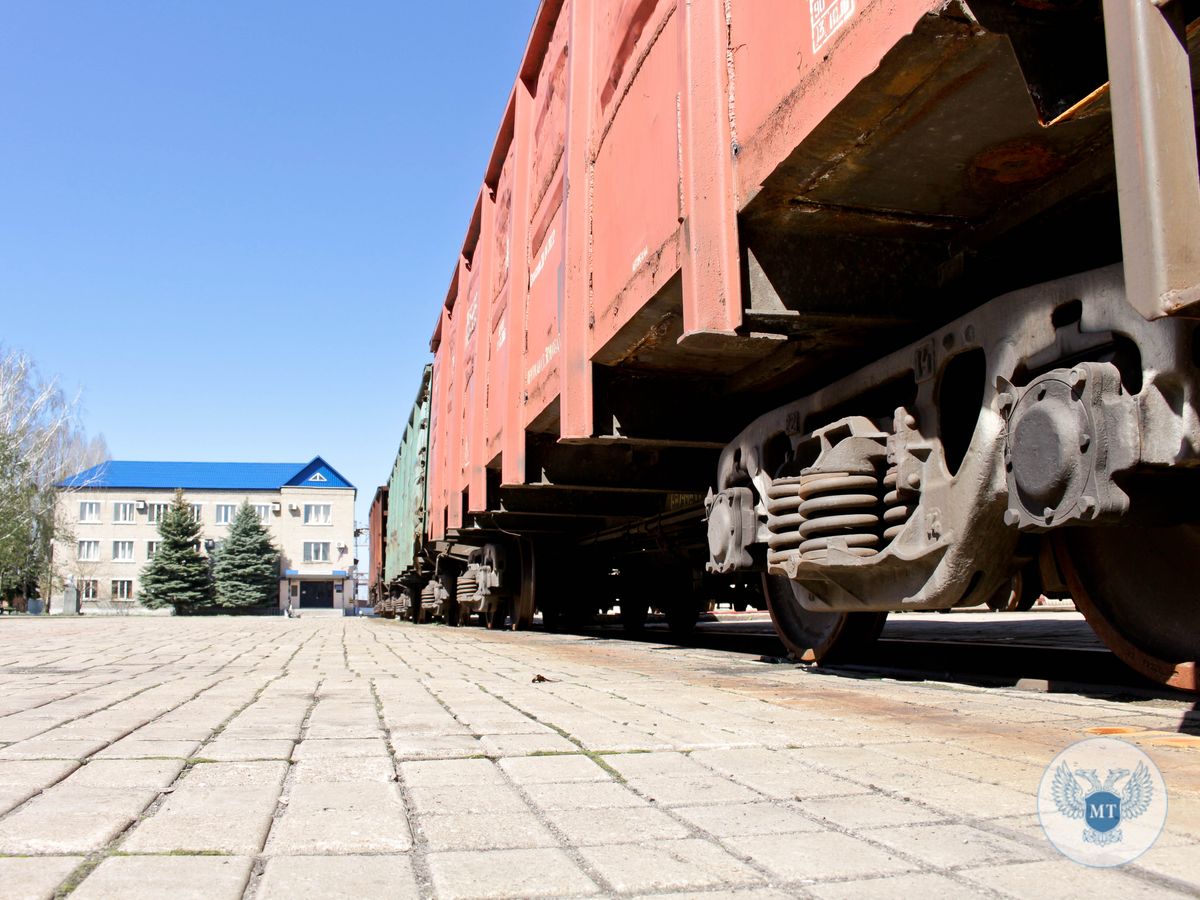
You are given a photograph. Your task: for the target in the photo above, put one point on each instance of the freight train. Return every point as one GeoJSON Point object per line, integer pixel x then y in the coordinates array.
{"type": "Point", "coordinates": [845, 305]}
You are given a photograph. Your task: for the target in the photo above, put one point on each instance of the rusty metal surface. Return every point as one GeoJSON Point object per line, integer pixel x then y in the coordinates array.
{"type": "Point", "coordinates": [1154, 131]}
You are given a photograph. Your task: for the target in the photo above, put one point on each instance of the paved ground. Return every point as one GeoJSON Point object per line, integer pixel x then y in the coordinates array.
{"type": "Point", "coordinates": [274, 758]}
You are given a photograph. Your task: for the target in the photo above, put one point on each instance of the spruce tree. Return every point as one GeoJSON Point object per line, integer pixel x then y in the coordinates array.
{"type": "Point", "coordinates": [178, 575]}
{"type": "Point", "coordinates": [246, 572]}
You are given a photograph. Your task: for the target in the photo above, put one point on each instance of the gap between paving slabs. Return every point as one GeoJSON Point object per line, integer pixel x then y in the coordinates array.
{"type": "Point", "coordinates": [94, 859]}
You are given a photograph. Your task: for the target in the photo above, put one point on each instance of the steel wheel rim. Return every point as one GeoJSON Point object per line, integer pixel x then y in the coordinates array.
{"type": "Point", "coordinates": [815, 636]}
{"type": "Point", "coordinates": [1130, 629]}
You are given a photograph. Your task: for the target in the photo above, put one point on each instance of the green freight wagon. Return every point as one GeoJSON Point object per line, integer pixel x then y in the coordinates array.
{"type": "Point", "coordinates": [406, 569]}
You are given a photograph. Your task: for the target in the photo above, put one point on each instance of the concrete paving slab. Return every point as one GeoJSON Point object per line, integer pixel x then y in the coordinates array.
{"type": "Point", "coordinates": [956, 846]}
{"type": "Point", "coordinates": [508, 874]}
{"type": "Point", "coordinates": [823, 855]}
{"type": "Point", "coordinates": [583, 795]}
{"type": "Point", "coordinates": [259, 773]}
{"type": "Point", "coordinates": [691, 791]}
{"type": "Point", "coordinates": [72, 820]}
{"type": "Point", "coordinates": [35, 774]}
{"type": "Point", "coordinates": [352, 770]}
{"type": "Point", "coordinates": [166, 878]}
{"type": "Point", "coordinates": [232, 749]}
{"type": "Point", "coordinates": [1062, 879]}
{"type": "Point", "coordinates": [34, 877]}
{"type": "Point", "coordinates": [121, 773]}
{"type": "Point", "coordinates": [615, 825]}
{"type": "Point", "coordinates": [931, 885]}
{"type": "Point", "coordinates": [232, 820]}
{"type": "Point", "coordinates": [53, 748]}
{"type": "Point", "coordinates": [341, 818]}
{"type": "Point", "coordinates": [435, 746]}
{"type": "Point", "coordinates": [337, 878]}
{"type": "Point", "coordinates": [135, 748]}
{"type": "Point", "coordinates": [466, 798]}
{"type": "Point", "coordinates": [675, 865]}
{"type": "Point", "coordinates": [489, 831]}
{"type": "Point", "coordinates": [870, 811]}
{"type": "Point", "coordinates": [732, 819]}
{"type": "Point", "coordinates": [433, 773]}
{"type": "Point", "coordinates": [552, 769]}
{"type": "Point", "coordinates": [340, 748]}
{"type": "Point", "coordinates": [751, 893]}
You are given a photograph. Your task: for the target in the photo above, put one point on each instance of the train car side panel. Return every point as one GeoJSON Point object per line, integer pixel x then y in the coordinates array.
{"type": "Point", "coordinates": [406, 497]}
{"type": "Point", "coordinates": [636, 189]}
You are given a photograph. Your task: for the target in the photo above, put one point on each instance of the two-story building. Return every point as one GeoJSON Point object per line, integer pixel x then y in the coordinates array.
{"type": "Point", "coordinates": [109, 516]}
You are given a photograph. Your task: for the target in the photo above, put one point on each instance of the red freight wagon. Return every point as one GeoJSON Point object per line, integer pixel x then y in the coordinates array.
{"type": "Point", "coordinates": [852, 305]}
{"type": "Point", "coordinates": [376, 536]}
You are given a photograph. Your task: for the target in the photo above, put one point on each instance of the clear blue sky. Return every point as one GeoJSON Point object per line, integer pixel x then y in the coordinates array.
{"type": "Point", "coordinates": [231, 224]}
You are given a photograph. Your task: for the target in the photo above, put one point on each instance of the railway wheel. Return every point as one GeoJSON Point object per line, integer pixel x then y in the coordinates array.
{"type": "Point", "coordinates": [527, 601]}
{"type": "Point", "coordinates": [545, 586]}
{"type": "Point", "coordinates": [1021, 594]}
{"type": "Point", "coordinates": [682, 616]}
{"type": "Point", "coordinates": [496, 615]}
{"type": "Point", "coordinates": [459, 612]}
{"type": "Point", "coordinates": [1136, 589]}
{"type": "Point", "coordinates": [633, 614]}
{"type": "Point", "coordinates": [419, 615]}
{"type": "Point", "coordinates": [818, 636]}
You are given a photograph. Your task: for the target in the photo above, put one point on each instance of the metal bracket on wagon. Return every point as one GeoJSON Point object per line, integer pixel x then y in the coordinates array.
{"type": "Point", "coordinates": [732, 523]}
{"type": "Point", "coordinates": [1069, 432]}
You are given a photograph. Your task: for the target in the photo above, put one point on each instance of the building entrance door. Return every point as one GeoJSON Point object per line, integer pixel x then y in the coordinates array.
{"type": "Point", "coordinates": [316, 595]}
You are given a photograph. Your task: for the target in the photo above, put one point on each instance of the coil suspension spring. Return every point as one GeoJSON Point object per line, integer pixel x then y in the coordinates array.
{"type": "Point", "coordinates": [896, 512]}
{"type": "Point", "coordinates": [804, 513]}
{"type": "Point", "coordinates": [465, 587]}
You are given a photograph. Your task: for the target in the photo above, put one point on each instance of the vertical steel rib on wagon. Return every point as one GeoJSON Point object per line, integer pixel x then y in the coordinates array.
{"type": "Point", "coordinates": [915, 280]}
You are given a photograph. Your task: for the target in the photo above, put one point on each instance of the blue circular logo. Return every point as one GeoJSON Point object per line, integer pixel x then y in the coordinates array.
{"type": "Point", "coordinates": [1102, 802]}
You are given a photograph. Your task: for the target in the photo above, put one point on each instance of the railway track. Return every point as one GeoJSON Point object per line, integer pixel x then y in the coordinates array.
{"type": "Point", "coordinates": [1041, 650]}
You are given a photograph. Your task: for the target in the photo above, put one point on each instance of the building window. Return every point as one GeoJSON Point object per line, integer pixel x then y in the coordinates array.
{"type": "Point", "coordinates": [122, 512]}
{"type": "Point", "coordinates": [123, 551]}
{"type": "Point", "coordinates": [197, 512]}
{"type": "Point", "coordinates": [225, 513]}
{"type": "Point", "coordinates": [318, 477]}
{"type": "Point", "coordinates": [89, 511]}
{"type": "Point", "coordinates": [317, 513]}
{"type": "Point", "coordinates": [264, 512]}
{"type": "Point", "coordinates": [156, 512]}
{"type": "Point", "coordinates": [122, 590]}
{"type": "Point", "coordinates": [89, 589]}
{"type": "Point", "coordinates": [89, 551]}
{"type": "Point", "coordinates": [152, 548]}
{"type": "Point", "coordinates": [316, 551]}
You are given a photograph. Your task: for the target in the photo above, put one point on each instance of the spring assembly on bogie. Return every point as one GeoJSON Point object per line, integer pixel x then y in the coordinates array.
{"type": "Point", "coordinates": [427, 594]}
{"type": "Point", "coordinates": [465, 588]}
{"type": "Point", "coordinates": [842, 506]}
{"type": "Point", "coordinates": [805, 513]}
{"type": "Point", "coordinates": [895, 511]}
{"type": "Point", "coordinates": [783, 518]}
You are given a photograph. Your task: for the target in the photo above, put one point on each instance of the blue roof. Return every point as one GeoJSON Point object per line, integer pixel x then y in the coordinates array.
{"type": "Point", "coordinates": [208, 476]}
